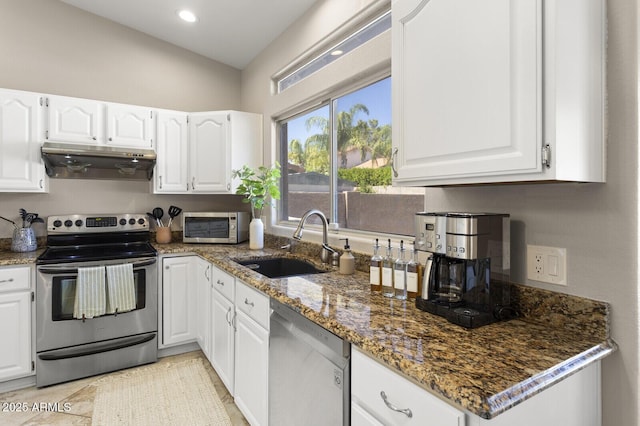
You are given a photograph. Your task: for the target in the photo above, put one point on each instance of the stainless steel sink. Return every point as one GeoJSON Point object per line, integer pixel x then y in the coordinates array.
{"type": "Point", "coordinates": [279, 267]}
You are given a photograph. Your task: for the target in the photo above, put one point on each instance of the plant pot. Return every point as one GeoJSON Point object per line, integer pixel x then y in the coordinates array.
{"type": "Point", "coordinates": [24, 239]}
{"type": "Point", "coordinates": [256, 234]}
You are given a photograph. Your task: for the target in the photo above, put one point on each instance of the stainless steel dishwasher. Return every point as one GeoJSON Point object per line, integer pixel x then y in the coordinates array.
{"type": "Point", "coordinates": [309, 372]}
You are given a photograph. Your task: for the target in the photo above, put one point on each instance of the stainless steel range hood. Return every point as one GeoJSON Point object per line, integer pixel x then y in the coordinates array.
{"type": "Point", "coordinates": [71, 161]}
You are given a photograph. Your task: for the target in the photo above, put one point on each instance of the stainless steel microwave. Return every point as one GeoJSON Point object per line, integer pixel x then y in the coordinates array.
{"type": "Point", "coordinates": [215, 227]}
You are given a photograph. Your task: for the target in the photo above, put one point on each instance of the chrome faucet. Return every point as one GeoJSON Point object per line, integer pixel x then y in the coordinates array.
{"type": "Point", "coordinates": [326, 250]}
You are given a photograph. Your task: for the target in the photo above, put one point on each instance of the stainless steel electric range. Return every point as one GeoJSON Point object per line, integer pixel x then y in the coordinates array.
{"type": "Point", "coordinates": [69, 346]}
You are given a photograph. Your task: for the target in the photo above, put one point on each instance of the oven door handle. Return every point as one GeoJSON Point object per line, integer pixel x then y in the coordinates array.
{"type": "Point", "coordinates": [65, 269]}
{"type": "Point", "coordinates": [96, 348]}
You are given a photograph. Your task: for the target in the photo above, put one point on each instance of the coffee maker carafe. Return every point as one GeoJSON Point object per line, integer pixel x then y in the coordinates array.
{"type": "Point", "coordinates": [466, 278]}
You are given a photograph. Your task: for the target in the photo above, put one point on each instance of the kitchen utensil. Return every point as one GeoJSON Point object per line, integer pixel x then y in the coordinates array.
{"type": "Point", "coordinates": [158, 213]}
{"type": "Point", "coordinates": [173, 212]}
{"type": "Point", "coordinates": [10, 221]}
{"type": "Point", "coordinates": [152, 216]}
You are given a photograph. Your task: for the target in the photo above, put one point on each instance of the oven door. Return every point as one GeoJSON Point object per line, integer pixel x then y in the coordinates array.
{"type": "Point", "coordinates": [55, 294]}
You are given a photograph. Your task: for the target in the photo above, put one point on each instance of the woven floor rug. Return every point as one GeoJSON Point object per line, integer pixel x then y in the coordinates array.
{"type": "Point", "coordinates": [178, 393]}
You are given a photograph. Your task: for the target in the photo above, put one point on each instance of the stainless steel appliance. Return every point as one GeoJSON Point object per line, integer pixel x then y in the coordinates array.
{"type": "Point", "coordinates": [309, 372]}
{"type": "Point", "coordinates": [466, 278]}
{"type": "Point", "coordinates": [69, 348]}
{"type": "Point", "coordinates": [215, 227]}
{"type": "Point", "coordinates": [75, 161]}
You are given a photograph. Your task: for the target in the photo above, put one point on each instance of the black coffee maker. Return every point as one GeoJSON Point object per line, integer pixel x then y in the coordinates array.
{"type": "Point", "coordinates": [466, 276]}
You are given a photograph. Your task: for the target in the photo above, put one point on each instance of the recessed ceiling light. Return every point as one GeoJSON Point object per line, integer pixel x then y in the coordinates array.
{"type": "Point", "coordinates": [337, 52]}
{"type": "Point", "coordinates": [187, 16]}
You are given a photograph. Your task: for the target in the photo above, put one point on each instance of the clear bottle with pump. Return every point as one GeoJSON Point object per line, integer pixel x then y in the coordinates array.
{"type": "Point", "coordinates": [347, 261]}
{"type": "Point", "coordinates": [413, 274]}
{"type": "Point", "coordinates": [400, 274]}
{"type": "Point", "coordinates": [387, 272]}
{"type": "Point", "coordinates": [375, 268]}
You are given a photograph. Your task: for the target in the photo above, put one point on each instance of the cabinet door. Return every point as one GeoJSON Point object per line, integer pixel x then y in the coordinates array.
{"type": "Point", "coordinates": [21, 168]}
{"type": "Point", "coordinates": [252, 363]}
{"type": "Point", "coordinates": [210, 159]}
{"type": "Point", "coordinates": [15, 328]}
{"type": "Point", "coordinates": [361, 417]}
{"type": "Point", "coordinates": [203, 305]}
{"type": "Point", "coordinates": [129, 126]}
{"type": "Point", "coordinates": [73, 120]}
{"type": "Point", "coordinates": [179, 288]}
{"type": "Point", "coordinates": [171, 173]}
{"type": "Point", "coordinates": [223, 337]}
{"type": "Point", "coordinates": [467, 89]}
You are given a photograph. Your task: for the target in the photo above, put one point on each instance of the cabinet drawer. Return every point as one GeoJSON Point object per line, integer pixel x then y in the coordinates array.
{"type": "Point", "coordinates": [12, 279]}
{"type": "Point", "coordinates": [224, 283]}
{"type": "Point", "coordinates": [253, 303]}
{"type": "Point", "coordinates": [369, 379]}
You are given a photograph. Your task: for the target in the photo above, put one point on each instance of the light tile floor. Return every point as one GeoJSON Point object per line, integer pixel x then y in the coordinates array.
{"type": "Point", "coordinates": [80, 395]}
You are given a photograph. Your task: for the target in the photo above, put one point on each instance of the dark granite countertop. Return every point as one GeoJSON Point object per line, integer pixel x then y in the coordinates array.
{"type": "Point", "coordinates": [485, 370]}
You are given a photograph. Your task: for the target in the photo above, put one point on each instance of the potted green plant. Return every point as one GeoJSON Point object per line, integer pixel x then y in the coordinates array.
{"type": "Point", "coordinates": [258, 186]}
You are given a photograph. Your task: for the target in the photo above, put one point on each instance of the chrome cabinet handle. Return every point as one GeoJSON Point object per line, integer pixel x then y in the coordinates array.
{"type": "Point", "coordinates": [10, 280]}
{"type": "Point", "coordinates": [193, 183]}
{"type": "Point", "coordinates": [160, 178]}
{"type": "Point", "coordinates": [405, 411]}
{"type": "Point", "coordinates": [246, 302]}
{"type": "Point", "coordinates": [206, 272]}
{"type": "Point", "coordinates": [226, 316]}
{"type": "Point", "coordinates": [41, 183]}
{"type": "Point", "coordinates": [220, 282]}
{"type": "Point", "coordinates": [394, 159]}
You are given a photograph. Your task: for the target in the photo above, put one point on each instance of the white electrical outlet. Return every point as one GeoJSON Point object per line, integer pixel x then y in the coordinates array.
{"type": "Point", "coordinates": [547, 264]}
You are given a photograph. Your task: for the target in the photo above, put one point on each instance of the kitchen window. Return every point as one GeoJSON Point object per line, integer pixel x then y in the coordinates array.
{"type": "Point", "coordinates": [336, 158]}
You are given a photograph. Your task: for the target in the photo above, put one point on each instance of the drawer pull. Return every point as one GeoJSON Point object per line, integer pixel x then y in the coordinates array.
{"type": "Point", "coordinates": [246, 302]}
{"type": "Point", "coordinates": [405, 411]}
{"type": "Point", "coordinates": [10, 280]}
{"type": "Point", "coordinates": [220, 282]}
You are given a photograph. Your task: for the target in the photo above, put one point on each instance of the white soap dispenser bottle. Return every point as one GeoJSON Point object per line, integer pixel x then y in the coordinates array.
{"type": "Point", "coordinates": [347, 261]}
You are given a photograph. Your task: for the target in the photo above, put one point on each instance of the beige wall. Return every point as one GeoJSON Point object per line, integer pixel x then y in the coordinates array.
{"type": "Point", "coordinates": [598, 224]}
{"type": "Point", "coordinates": [50, 47]}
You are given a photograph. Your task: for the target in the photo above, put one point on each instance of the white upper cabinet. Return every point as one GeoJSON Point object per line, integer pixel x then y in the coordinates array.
{"type": "Point", "coordinates": [504, 92]}
{"type": "Point", "coordinates": [171, 172]}
{"type": "Point", "coordinates": [129, 126]}
{"type": "Point", "coordinates": [210, 157]}
{"type": "Point", "coordinates": [86, 121]}
{"type": "Point", "coordinates": [217, 143]}
{"type": "Point", "coordinates": [21, 169]}
{"type": "Point", "coordinates": [74, 120]}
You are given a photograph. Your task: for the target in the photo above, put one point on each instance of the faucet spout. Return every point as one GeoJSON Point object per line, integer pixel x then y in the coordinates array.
{"type": "Point", "coordinates": [297, 234]}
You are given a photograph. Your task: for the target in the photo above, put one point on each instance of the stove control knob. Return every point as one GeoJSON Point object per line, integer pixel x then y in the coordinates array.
{"type": "Point", "coordinates": [123, 221]}
{"type": "Point", "coordinates": [141, 221]}
{"type": "Point", "coordinates": [68, 223]}
{"type": "Point", "coordinates": [57, 223]}
{"type": "Point", "coordinates": [132, 221]}
{"type": "Point", "coordinates": [78, 223]}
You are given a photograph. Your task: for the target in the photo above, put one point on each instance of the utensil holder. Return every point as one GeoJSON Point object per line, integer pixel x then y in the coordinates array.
{"type": "Point", "coordinates": [24, 239]}
{"type": "Point", "coordinates": [163, 235]}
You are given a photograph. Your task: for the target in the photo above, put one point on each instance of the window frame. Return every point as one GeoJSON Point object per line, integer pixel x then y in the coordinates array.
{"type": "Point", "coordinates": [329, 100]}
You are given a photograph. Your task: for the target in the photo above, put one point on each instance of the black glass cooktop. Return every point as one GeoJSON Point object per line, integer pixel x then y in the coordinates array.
{"type": "Point", "coordinates": [90, 248]}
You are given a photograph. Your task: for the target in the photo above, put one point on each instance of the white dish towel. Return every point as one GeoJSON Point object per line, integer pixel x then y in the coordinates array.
{"type": "Point", "coordinates": [121, 290]}
{"type": "Point", "coordinates": [90, 299]}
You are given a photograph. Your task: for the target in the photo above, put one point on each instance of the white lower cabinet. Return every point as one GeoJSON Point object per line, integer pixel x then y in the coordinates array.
{"type": "Point", "coordinates": [380, 396]}
{"type": "Point", "coordinates": [203, 305]}
{"type": "Point", "coordinates": [179, 291]}
{"type": "Point", "coordinates": [252, 354]}
{"type": "Point", "coordinates": [223, 327]}
{"type": "Point", "coordinates": [575, 401]}
{"type": "Point", "coordinates": [15, 323]}
{"type": "Point", "coordinates": [240, 343]}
